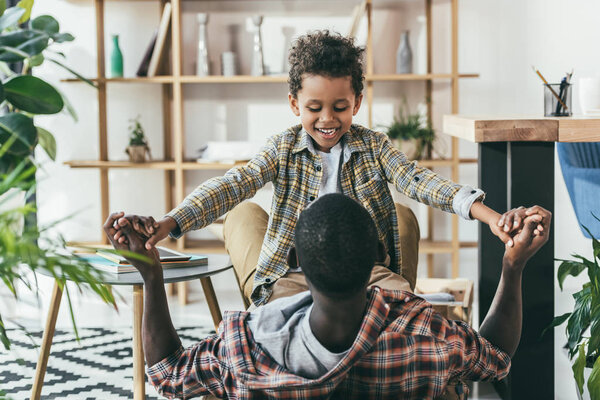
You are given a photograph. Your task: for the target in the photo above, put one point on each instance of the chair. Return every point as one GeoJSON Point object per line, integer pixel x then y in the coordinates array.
{"type": "Point", "coordinates": [580, 164]}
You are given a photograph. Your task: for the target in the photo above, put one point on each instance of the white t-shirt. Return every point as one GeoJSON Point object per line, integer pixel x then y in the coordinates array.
{"type": "Point", "coordinates": [330, 182]}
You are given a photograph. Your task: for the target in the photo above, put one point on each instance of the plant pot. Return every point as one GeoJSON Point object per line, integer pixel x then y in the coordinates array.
{"type": "Point", "coordinates": [413, 148]}
{"type": "Point", "coordinates": [138, 154]}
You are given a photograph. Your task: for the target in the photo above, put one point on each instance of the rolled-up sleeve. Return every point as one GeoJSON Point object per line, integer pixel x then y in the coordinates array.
{"type": "Point", "coordinates": [190, 372]}
{"type": "Point", "coordinates": [464, 199]}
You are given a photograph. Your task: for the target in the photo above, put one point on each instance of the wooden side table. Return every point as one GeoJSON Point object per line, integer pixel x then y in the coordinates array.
{"type": "Point", "coordinates": [216, 263]}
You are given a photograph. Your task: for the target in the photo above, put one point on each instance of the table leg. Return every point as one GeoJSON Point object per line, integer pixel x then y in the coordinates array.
{"type": "Point", "coordinates": [40, 370]}
{"type": "Point", "coordinates": [515, 174]}
{"type": "Point", "coordinates": [139, 381]}
{"type": "Point", "coordinates": [211, 299]}
{"type": "Point", "coordinates": [182, 293]}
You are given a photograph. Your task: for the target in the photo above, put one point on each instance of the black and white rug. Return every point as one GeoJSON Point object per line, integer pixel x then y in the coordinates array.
{"type": "Point", "coordinates": [100, 366]}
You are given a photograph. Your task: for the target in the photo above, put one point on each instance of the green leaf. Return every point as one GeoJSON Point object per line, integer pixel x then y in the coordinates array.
{"type": "Point", "coordinates": [27, 41]}
{"type": "Point", "coordinates": [30, 93]}
{"type": "Point", "coordinates": [47, 142]}
{"type": "Point", "coordinates": [63, 37]}
{"type": "Point", "coordinates": [1, 92]}
{"type": "Point", "coordinates": [556, 322]}
{"type": "Point", "coordinates": [567, 268]}
{"type": "Point", "coordinates": [45, 23]}
{"type": "Point", "coordinates": [21, 126]}
{"type": "Point", "coordinates": [69, 107]}
{"type": "Point", "coordinates": [36, 60]}
{"type": "Point", "coordinates": [2, 6]}
{"type": "Point", "coordinates": [27, 5]}
{"type": "Point", "coordinates": [578, 367]}
{"type": "Point", "coordinates": [10, 17]}
{"type": "Point", "coordinates": [580, 319]}
{"type": "Point", "coordinates": [593, 383]}
{"type": "Point", "coordinates": [81, 77]}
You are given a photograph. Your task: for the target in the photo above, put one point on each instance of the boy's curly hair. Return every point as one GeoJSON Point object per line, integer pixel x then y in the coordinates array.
{"type": "Point", "coordinates": [327, 54]}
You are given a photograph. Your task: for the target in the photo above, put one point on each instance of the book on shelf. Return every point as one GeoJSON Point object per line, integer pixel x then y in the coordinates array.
{"type": "Point", "coordinates": [165, 255]}
{"type": "Point", "coordinates": [106, 265]}
{"type": "Point", "coordinates": [161, 36]}
{"type": "Point", "coordinates": [145, 63]}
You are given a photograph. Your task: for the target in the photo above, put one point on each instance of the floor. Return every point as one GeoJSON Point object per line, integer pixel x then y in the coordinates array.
{"type": "Point", "coordinates": [91, 312]}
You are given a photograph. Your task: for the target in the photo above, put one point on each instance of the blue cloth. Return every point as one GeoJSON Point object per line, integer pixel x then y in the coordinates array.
{"type": "Point", "coordinates": [580, 164]}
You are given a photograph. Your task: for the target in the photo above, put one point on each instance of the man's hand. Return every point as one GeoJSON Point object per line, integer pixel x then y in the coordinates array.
{"type": "Point", "coordinates": [152, 231]}
{"type": "Point", "coordinates": [510, 223]}
{"type": "Point", "coordinates": [534, 222]}
{"type": "Point", "coordinates": [119, 227]}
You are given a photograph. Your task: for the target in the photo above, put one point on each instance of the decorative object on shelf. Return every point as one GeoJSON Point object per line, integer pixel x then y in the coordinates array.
{"type": "Point", "coordinates": [583, 326]}
{"type": "Point", "coordinates": [202, 66]}
{"type": "Point", "coordinates": [404, 59]}
{"type": "Point", "coordinates": [116, 59]}
{"type": "Point", "coordinates": [138, 148]}
{"type": "Point", "coordinates": [258, 66]}
{"type": "Point", "coordinates": [589, 95]}
{"type": "Point", "coordinates": [420, 56]}
{"type": "Point", "coordinates": [145, 63]}
{"type": "Point", "coordinates": [412, 133]}
{"type": "Point", "coordinates": [26, 247]}
{"type": "Point", "coordinates": [228, 63]}
{"type": "Point", "coordinates": [161, 37]}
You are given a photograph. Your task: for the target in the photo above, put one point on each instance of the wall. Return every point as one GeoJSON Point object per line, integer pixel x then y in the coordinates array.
{"type": "Point", "coordinates": [499, 40]}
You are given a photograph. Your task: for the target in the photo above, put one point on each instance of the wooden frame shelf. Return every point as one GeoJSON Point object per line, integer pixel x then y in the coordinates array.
{"type": "Point", "coordinates": [164, 165]}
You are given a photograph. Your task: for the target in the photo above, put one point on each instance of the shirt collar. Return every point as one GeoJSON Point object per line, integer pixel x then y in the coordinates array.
{"type": "Point", "coordinates": [352, 142]}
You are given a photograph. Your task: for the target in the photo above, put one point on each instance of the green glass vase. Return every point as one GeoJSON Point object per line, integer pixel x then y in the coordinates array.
{"type": "Point", "coordinates": [116, 59]}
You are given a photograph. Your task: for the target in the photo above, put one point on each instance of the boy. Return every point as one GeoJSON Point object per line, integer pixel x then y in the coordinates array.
{"type": "Point", "coordinates": [325, 154]}
{"type": "Point", "coordinates": [340, 340]}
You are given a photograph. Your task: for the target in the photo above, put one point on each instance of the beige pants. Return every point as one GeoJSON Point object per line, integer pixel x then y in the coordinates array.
{"type": "Point", "coordinates": [244, 231]}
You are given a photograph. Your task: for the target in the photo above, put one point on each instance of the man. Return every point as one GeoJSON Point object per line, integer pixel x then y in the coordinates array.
{"type": "Point", "coordinates": [340, 339]}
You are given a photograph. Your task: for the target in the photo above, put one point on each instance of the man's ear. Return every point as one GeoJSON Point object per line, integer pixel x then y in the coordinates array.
{"type": "Point", "coordinates": [357, 104]}
{"type": "Point", "coordinates": [294, 104]}
{"type": "Point", "coordinates": [292, 258]}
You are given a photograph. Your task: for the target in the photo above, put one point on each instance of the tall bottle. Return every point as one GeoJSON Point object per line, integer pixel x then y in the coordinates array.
{"type": "Point", "coordinates": [116, 59]}
{"type": "Point", "coordinates": [202, 57]}
{"type": "Point", "coordinates": [258, 66]}
{"type": "Point", "coordinates": [404, 58]}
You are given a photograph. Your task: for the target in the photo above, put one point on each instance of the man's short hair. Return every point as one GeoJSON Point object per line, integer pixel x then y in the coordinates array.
{"type": "Point", "coordinates": [327, 54]}
{"type": "Point", "coordinates": [336, 242]}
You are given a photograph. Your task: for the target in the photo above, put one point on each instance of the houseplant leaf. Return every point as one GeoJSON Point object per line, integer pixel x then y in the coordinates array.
{"type": "Point", "coordinates": [593, 383]}
{"type": "Point", "coordinates": [29, 42]}
{"type": "Point", "coordinates": [79, 76]}
{"type": "Point", "coordinates": [45, 23]}
{"type": "Point", "coordinates": [2, 6]}
{"type": "Point", "coordinates": [31, 94]}
{"type": "Point", "coordinates": [567, 268]}
{"type": "Point", "coordinates": [21, 126]}
{"type": "Point", "coordinates": [557, 321]}
{"type": "Point", "coordinates": [578, 367]}
{"type": "Point", "coordinates": [580, 319]}
{"type": "Point", "coordinates": [62, 37]}
{"type": "Point", "coordinates": [27, 5]}
{"type": "Point", "coordinates": [10, 17]}
{"type": "Point", "coordinates": [47, 142]}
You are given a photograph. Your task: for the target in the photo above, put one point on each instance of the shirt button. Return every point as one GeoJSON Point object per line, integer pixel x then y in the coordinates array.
{"type": "Point", "coordinates": [473, 192]}
{"type": "Point", "coordinates": [318, 168]}
{"type": "Point", "coordinates": [268, 280]}
{"type": "Point", "coordinates": [311, 198]}
{"type": "Point", "coordinates": [416, 179]}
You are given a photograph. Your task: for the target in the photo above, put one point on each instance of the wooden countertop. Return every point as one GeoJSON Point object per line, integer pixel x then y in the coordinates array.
{"type": "Point", "coordinates": [578, 128]}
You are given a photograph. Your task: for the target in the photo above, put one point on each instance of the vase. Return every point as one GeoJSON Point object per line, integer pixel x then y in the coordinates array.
{"type": "Point", "coordinates": [138, 153]}
{"type": "Point", "coordinates": [258, 67]}
{"type": "Point", "coordinates": [228, 63]}
{"type": "Point", "coordinates": [116, 59]}
{"type": "Point", "coordinates": [202, 56]}
{"type": "Point", "coordinates": [404, 55]}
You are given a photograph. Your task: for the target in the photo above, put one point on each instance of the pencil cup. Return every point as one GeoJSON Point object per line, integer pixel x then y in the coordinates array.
{"type": "Point", "coordinates": [557, 100]}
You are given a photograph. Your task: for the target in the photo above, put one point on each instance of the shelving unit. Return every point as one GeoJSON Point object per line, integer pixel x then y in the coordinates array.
{"type": "Point", "coordinates": [173, 162]}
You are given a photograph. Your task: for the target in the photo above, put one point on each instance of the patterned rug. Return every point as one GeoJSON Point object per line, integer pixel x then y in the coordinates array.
{"type": "Point", "coordinates": [100, 366]}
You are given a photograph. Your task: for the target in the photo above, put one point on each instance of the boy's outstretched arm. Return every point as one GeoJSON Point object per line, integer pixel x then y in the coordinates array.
{"type": "Point", "coordinates": [502, 324]}
{"type": "Point", "coordinates": [158, 333]}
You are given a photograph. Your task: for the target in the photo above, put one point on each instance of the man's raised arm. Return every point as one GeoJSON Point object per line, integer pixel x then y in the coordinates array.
{"type": "Point", "coordinates": [158, 334]}
{"type": "Point", "coordinates": [502, 324]}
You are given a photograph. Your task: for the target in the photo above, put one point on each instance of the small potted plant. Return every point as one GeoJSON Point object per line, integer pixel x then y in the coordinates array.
{"type": "Point", "coordinates": [583, 323]}
{"type": "Point", "coordinates": [138, 145]}
{"type": "Point", "coordinates": [411, 134]}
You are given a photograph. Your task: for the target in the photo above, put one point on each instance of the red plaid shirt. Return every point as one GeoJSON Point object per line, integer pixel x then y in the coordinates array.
{"type": "Point", "coordinates": [404, 349]}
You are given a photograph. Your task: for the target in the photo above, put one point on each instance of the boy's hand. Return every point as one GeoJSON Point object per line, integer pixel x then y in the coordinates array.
{"type": "Point", "coordinates": [152, 231]}
{"type": "Point", "coordinates": [511, 222]}
{"type": "Point", "coordinates": [134, 242]}
{"type": "Point", "coordinates": [526, 241]}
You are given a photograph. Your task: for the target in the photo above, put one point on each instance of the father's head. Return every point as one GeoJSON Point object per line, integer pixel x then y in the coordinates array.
{"type": "Point", "coordinates": [336, 243]}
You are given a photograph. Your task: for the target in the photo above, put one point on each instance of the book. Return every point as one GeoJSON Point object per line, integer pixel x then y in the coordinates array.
{"type": "Point", "coordinates": [107, 265]}
{"type": "Point", "coordinates": [160, 40]}
{"type": "Point", "coordinates": [165, 255]}
{"type": "Point", "coordinates": [145, 63]}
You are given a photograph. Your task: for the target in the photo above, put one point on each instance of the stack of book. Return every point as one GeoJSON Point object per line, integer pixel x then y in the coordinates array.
{"type": "Point", "coordinates": [114, 263]}
{"type": "Point", "coordinates": [152, 57]}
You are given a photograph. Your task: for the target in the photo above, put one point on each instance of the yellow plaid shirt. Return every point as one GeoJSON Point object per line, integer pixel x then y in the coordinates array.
{"type": "Point", "coordinates": [371, 161]}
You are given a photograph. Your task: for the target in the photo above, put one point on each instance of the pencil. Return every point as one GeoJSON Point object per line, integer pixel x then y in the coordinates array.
{"type": "Point", "coordinates": [550, 87]}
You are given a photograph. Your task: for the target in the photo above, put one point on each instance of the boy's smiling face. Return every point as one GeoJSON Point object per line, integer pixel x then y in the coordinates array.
{"type": "Point", "coordinates": [325, 106]}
